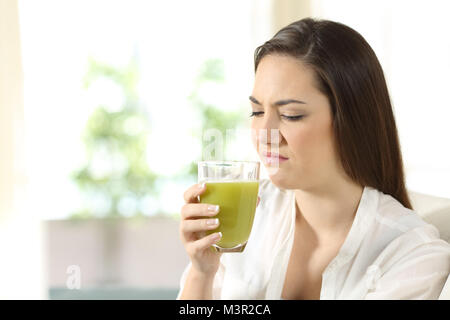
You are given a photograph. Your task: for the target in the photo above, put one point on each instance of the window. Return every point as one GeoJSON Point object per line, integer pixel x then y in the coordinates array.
{"type": "Point", "coordinates": [170, 42]}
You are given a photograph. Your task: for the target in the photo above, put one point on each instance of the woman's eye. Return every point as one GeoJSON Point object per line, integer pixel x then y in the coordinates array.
{"type": "Point", "coordinates": [256, 113]}
{"type": "Point", "coordinates": [293, 118]}
{"type": "Point", "coordinates": [289, 118]}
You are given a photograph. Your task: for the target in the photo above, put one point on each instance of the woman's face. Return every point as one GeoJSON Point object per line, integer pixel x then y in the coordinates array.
{"type": "Point", "coordinates": [305, 140]}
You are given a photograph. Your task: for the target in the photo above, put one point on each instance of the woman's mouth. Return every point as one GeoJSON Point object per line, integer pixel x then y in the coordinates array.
{"type": "Point", "coordinates": [273, 158]}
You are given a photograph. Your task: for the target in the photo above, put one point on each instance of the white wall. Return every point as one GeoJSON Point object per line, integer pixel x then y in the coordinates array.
{"type": "Point", "coordinates": [21, 268]}
{"type": "Point", "coordinates": [411, 41]}
{"type": "Point", "coordinates": [138, 253]}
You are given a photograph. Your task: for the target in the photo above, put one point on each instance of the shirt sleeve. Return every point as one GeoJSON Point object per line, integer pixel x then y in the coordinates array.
{"type": "Point", "coordinates": [217, 283]}
{"type": "Point", "coordinates": [420, 274]}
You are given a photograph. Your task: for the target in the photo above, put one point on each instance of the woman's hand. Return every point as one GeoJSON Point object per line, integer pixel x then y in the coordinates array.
{"type": "Point", "coordinates": [196, 219]}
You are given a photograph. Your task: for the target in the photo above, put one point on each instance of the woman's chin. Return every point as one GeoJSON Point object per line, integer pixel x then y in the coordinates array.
{"type": "Point", "coordinates": [279, 179]}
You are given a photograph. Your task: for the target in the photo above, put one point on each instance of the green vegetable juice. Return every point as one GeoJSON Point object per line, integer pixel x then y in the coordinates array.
{"type": "Point", "coordinates": [237, 201]}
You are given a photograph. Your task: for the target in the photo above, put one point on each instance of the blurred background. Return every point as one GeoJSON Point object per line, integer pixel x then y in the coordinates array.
{"type": "Point", "coordinates": [103, 106]}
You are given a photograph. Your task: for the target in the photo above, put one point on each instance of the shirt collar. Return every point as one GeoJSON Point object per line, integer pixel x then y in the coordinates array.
{"type": "Point", "coordinates": [361, 223]}
{"type": "Point", "coordinates": [365, 213]}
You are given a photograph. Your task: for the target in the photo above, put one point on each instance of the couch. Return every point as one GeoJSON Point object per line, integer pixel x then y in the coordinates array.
{"type": "Point", "coordinates": [434, 210]}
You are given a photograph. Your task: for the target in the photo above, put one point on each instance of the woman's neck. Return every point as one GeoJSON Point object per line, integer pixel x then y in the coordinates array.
{"type": "Point", "coordinates": [328, 212]}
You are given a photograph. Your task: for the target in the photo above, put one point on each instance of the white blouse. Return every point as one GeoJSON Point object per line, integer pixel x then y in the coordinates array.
{"type": "Point", "coordinates": [389, 253]}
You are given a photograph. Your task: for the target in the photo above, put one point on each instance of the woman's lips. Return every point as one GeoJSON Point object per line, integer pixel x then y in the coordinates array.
{"type": "Point", "coordinates": [271, 158]}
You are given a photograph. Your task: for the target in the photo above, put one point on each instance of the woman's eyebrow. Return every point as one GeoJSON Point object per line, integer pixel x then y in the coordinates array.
{"type": "Point", "coordinates": [278, 103]}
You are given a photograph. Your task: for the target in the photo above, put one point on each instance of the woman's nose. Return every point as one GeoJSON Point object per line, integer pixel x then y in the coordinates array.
{"type": "Point", "coordinates": [269, 136]}
{"type": "Point", "coordinates": [268, 132]}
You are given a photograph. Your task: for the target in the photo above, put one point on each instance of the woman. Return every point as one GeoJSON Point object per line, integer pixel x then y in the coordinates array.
{"type": "Point", "coordinates": [334, 221]}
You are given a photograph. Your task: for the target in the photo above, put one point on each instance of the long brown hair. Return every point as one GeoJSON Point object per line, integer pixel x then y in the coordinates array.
{"type": "Point", "coordinates": [350, 75]}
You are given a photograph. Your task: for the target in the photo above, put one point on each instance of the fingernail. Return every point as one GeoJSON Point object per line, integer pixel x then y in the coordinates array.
{"type": "Point", "coordinates": [212, 221]}
{"type": "Point", "coordinates": [202, 185]}
{"type": "Point", "coordinates": [213, 208]}
{"type": "Point", "coordinates": [217, 235]}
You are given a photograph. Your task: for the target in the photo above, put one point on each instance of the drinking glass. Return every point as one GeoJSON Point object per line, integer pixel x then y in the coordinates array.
{"type": "Point", "coordinates": [233, 185]}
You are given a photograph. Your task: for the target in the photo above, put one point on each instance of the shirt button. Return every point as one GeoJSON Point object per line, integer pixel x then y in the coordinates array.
{"type": "Point", "coordinates": [373, 274]}
{"type": "Point", "coordinates": [332, 266]}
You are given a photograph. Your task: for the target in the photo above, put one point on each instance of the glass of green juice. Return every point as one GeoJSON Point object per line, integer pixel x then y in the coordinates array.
{"type": "Point", "coordinates": [233, 185]}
